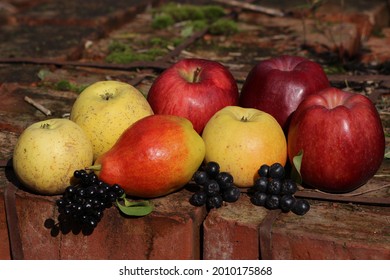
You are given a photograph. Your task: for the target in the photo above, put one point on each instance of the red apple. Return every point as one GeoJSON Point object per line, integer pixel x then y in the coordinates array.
{"type": "Point", "coordinates": [279, 84]}
{"type": "Point", "coordinates": [195, 89]}
{"type": "Point", "coordinates": [342, 139]}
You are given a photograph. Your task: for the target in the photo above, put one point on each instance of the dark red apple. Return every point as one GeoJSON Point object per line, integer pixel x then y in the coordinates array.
{"type": "Point", "coordinates": [195, 89]}
{"type": "Point", "coordinates": [279, 84]}
{"type": "Point", "coordinates": [342, 139]}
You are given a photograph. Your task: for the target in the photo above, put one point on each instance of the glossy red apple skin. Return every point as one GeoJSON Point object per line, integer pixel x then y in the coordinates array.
{"type": "Point", "coordinates": [279, 84]}
{"type": "Point", "coordinates": [175, 93]}
{"type": "Point", "coordinates": [342, 139]}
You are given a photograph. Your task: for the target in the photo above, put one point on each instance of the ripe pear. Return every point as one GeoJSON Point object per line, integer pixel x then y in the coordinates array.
{"type": "Point", "coordinates": [155, 156]}
{"type": "Point", "coordinates": [48, 152]}
{"type": "Point", "coordinates": [107, 108]}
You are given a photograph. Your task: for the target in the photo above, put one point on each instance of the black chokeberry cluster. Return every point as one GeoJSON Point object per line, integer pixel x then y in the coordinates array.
{"type": "Point", "coordinates": [82, 205]}
{"type": "Point", "coordinates": [274, 191]}
{"type": "Point", "coordinates": [215, 187]}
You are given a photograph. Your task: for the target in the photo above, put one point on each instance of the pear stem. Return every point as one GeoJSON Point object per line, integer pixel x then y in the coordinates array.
{"type": "Point", "coordinates": [96, 167]}
{"type": "Point", "coordinates": [196, 75]}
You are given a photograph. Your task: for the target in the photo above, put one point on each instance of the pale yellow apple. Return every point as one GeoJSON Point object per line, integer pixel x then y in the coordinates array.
{"type": "Point", "coordinates": [107, 108]}
{"type": "Point", "coordinates": [240, 140]}
{"type": "Point", "coordinates": [48, 152]}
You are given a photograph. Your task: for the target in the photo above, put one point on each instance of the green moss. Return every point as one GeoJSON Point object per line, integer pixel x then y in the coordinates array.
{"type": "Point", "coordinates": [162, 21]}
{"type": "Point", "coordinates": [182, 12]}
{"type": "Point", "coordinates": [65, 85]}
{"type": "Point", "coordinates": [121, 53]}
{"type": "Point", "coordinates": [199, 24]}
{"type": "Point", "coordinates": [333, 69]}
{"type": "Point", "coordinates": [213, 12]}
{"type": "Point", "coordinates": [172, 12]}
{"type": "Point", "coordinates": [223, 27]}
{"type": "Point", "coordinates": [116, 46]}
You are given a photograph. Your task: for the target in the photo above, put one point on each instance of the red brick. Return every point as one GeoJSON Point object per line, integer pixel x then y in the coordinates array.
{"type": "Point", "coordinates": [232, 231]}
{"type": "Point", "coordinates": [172, 231]}
{"type": "Point", "coordinates": [333, 231]}
{"type": "Point", "coordinates": [4, 239]}
{"type": "Point", "coordinates": [328, 231]}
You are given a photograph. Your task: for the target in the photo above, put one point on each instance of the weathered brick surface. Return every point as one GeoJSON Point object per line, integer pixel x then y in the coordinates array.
{"type": "Point", "coordinates": [232, 231]}
{"type": "Point", "coordinates": [172, 231]}
{"type": "Point", "coordinates": [4, 240]}
{"type": "Point", "coordinates": [329, 230]}
{"type": "Point", "coordinates": [333, 231]}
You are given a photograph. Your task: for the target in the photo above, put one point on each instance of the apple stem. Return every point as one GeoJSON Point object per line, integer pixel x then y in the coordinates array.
{"type": "Point", "coordinates": [106, 96]}
{"type": "Point", "coordinates": [196, 75]}
{"type": "Point", "coordinates": [96, 167]}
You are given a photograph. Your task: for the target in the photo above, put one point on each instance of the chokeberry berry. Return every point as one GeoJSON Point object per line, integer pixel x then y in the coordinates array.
{"type": "Point", "coordinates": [91, 191]}
{"type": "Point", "coordinates": [272, 202]}
{"type": "Point", "coordinates": [117, 190]}
{"type": "Point", "coordinates": [231, 194]}
{"type": "Point", "coordinates": [79, 173]}
{"type": "Point", "coordinates": [198, 198]}
{"type": "Point", "coordinates": [260, 185]}
{"type": "Point", "coordinates": [276, 171]}
{"type": "Point", "coordinates": [211, 187]}
{"type": "Point", "coordinates": [214, 201]}
{"type": "Point", "coordinates": [263, 170]}
{"type": "Point", "coordinates": [200, 177]}
{"type": "Point", "coordinates": [224, 178]}
{"type": "Point", "coordinates": [70, 191]}
{"type": "Point", "coordinates": [287, 202]}
{"type": "Point", "coordinates": [301, 207]}
{"type": "Point", "coordinates": [212, 169]}
{"type": "Point", "coordinates": [259, 198]}
{"type": "Point", "coordinates": [274, 186]}
{"type": "Point", "coordinates": [93, 178]}
{"type": "Point", "coordinates": [61, 203]}
{"type": "Point", "coordinates": [288, 187]}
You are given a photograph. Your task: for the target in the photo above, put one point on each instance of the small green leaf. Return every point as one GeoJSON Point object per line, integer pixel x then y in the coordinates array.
{"type": "Point", "coordinates": [43, 73]}
{"type": "Point", "coordinates": [135, 208]}
{"type": "Point", "coordinates": [387, 155]}
{"type": "Point", "coordinates": [187, 31]}
{"type": "Point", "coordinates": [296, 170]}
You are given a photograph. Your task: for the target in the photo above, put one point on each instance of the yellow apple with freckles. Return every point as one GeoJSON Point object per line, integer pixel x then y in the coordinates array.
{"type": "Point", "coordinates": [48, 152]}
{"type": "Point", "coordinates": [107, 108]}
{"type": "Point", "coordinates": [240, 140]}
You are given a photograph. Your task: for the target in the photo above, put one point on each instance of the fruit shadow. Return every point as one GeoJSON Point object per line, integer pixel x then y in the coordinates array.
{"type": "Point", "coordinates": [11, 177]}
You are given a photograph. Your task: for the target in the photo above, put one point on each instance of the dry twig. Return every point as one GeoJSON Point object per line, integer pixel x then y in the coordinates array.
{"type": "Point", "coordinates": [38, 106]}
{"type": "Point", "coordinates": [252, 7]}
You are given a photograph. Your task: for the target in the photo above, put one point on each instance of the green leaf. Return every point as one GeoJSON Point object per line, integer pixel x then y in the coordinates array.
{"type": "Point", "coordinates": [135, 208]}
{"type": "Point", "coordinates": [187, 31]}
{"type": "Point", "coordinates": [296, 170]}
{"type": "Point", "coordinates": [387, 155]}
{"type": "Point", "coordinates": [43, 73]}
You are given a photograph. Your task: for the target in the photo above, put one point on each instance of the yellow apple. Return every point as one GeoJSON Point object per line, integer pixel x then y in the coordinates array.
{"type": "Point", "coordinates": [107, 108]}
{"type": "Point", "coordinates": [48, 152]}
{"type": "Point", "coordinates": [240, 140]}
